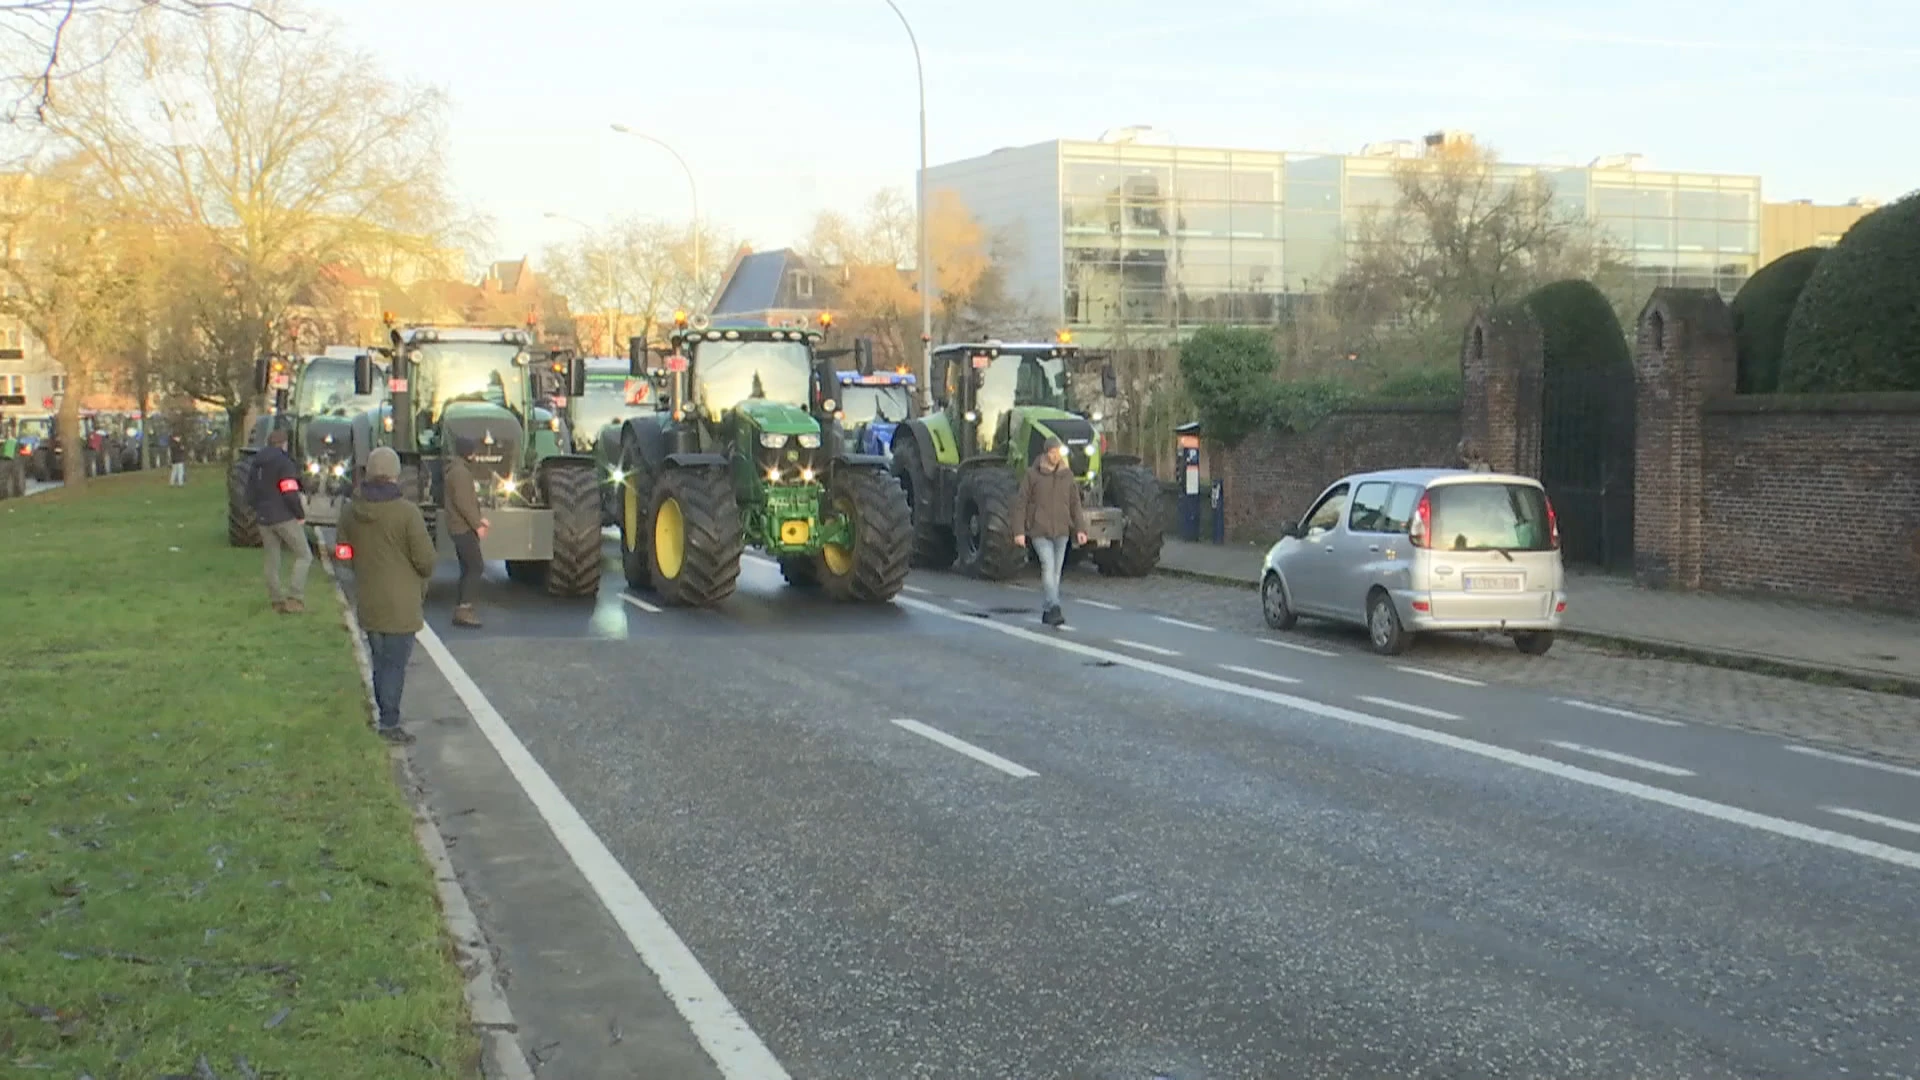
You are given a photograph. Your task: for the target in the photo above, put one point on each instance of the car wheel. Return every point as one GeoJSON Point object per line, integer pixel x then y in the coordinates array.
{"type": "Point", "coordinates": [1384, 631]}
{"type": "Point", "coordinates": [1534, 642]}
{"type": "Point", "coordinates": [1273, 603]}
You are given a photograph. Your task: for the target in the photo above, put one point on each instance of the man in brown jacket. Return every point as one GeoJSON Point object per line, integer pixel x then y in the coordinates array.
{"type": "Point", "coordinates": [465, 526]}
{"type": "Point", "coordinates": [385, 539]}
{"type": "Point", "coordinates": [1048, 509]}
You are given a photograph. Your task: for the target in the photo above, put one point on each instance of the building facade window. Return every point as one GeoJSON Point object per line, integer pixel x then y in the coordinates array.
{"type": "Point", "coordinates": [13, 385]}
{"type": "Point", "coordinates": [57, 383]}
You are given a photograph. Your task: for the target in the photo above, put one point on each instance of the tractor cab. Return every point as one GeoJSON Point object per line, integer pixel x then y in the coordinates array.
{"type": "Point", "coordinates": [1004, 400]}
{"type": "Point", "coordinates": [873, 406]}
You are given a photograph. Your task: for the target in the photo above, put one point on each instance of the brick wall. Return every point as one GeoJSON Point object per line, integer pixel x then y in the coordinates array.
{"type": "Point", "coordinates": [1814, 495]}
{"type": "Point", "coordinates": [1272, 477]}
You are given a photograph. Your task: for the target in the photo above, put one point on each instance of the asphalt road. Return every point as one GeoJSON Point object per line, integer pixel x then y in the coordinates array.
{"type": "Point", "coordinates": [933, 839]}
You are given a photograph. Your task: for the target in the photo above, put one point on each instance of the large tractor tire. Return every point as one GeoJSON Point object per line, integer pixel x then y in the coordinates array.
{"type": "Point", "coordinates": [933, 543]}
{"type": "Point", "coordinates": [243, 527]}
{"type": "Point", "coordinates": [983, 521]}
{"type": "Point", "coordinates": [1135, 492]}
{"type": "Point", "coordinates": [635, 507]}
{"type": "Point", "coordinates": [801, 571]}
{"type": "Point", "coordinates": [693, 537]}
{"type": "Point", "coordinates": [874, 568]}
{"type": "Point", "coordinates": [573, 492]}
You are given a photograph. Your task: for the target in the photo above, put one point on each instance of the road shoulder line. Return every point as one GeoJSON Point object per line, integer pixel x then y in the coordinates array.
{"type": "Point", "coordinates": [961, 746]}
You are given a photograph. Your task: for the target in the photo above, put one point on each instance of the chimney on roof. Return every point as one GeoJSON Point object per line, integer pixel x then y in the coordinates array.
{"type": "Point", "coordinates": [1448, 139]}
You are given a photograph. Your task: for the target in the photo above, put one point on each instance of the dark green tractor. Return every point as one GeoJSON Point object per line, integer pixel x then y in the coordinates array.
{"type": "Point", "coordinates": [743, 451]}
{"type": "Point", "coordinates": [995, 406]}
{"type": "Point", "coordinates": [612, 398]}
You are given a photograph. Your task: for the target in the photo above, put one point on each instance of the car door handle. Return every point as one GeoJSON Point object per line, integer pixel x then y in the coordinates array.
{"type": "Point", "coordinates": [1329, 548]}
{"type": "Point", "coordinates": [1375, 548]}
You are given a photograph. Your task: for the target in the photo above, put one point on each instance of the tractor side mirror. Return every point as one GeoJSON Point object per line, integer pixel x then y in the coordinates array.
{"type": "Point", "coordinates": [363, 374]}
{"type": "Point", "coordinates": [863, 355]}
{"type": "Point", "coordinates": [826, 382]}
{"type": "Point", "coordinates": [1109, 381]}
{"type": "Point", "coordinates": [576, 375]}
{"type": "Point", "coordinates": [262, 374]}
{"type": "Point", "coordinates": [637, 357]}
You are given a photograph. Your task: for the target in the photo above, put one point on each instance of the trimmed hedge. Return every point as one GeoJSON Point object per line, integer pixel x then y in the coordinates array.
{"type": "Point", "coordinates": [1856, 327]}
{"type": "Point", "coordinates": [1578, 330]}
{"type": "Point", "coordinates": [1761, 311]}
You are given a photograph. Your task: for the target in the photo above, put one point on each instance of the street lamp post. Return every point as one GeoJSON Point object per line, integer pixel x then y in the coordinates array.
{"type": "Point", "coordinates": [926, 256]}
{"type": "Point", "coordinates": [693, 189]}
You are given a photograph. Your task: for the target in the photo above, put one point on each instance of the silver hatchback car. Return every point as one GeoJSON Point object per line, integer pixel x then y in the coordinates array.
{"type": "Point", "coordinates": [1412, 550]}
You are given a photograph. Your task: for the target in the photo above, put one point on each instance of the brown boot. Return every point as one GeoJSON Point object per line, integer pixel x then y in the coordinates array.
{"type": "Point", "coordinates": [280, 606]}
{"type": "Point", "coordinates": [463, 616]}
{"type": "Point", "coordinates": [292, 607]}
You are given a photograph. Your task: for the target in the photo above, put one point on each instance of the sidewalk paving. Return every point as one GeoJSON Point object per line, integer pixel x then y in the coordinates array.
{"type": "Point", "coordinates": [1868, 649]}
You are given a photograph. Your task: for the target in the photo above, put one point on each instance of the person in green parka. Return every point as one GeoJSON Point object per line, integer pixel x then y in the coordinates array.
{"type": "Point", "coordinates": [384, 537]}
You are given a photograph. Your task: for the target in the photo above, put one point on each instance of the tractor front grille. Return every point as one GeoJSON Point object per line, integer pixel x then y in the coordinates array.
{"type": "Point", "coordinates": [786, 465]}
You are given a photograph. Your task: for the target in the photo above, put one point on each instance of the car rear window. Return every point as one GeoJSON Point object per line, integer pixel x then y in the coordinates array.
{"type": "Point", "coordinates": [1489, 517]}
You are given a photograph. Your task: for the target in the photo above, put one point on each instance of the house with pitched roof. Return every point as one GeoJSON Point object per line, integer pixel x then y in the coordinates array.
{"type": "Point", "coordinates": [774, 287]}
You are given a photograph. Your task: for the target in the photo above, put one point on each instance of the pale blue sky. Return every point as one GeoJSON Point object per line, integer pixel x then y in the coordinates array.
{"type": "Point", "coordinates": [783, 108]}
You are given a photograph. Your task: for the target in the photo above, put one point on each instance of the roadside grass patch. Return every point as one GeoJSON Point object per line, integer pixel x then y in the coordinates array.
{"type": "Point", "coordinates": [206, 867]}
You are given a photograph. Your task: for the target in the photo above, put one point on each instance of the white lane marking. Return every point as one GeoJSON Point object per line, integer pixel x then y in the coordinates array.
{"type": "Point", "coordinates": [629, 598]}
{"type": "Point", "coordinates": [1692, 804]}
{"type": "Point", "coordinates": [1873, 819]}
{"type": "Point", "coordinates": [1417, 710]}
{"type": "Point", "coordinates": [1101, 604]}
{"type": "Point", "coordinates": [1865, 763]}
{"type": "Point", "coordinates": [1308, 649]}
{"type": "Point", "coordinates": [984, 757]}
{"type": "Point", "coordinates": [1023, 588]}
{"type": "Point", "coordinates": [917, 589]}
{"type": "Point", "coordinates": [1627, 713]}
{"type": "Point", "coordinates": [1620, 759]}
{"type": "Point", "coordinates": [722, 1031]}
{"type": "Point", "coordinates": [1441, 675]}
{"type": "Point", "coordinates": [1183, 624]}
{"type": "Point", "coordinates": [1258, 674]}
{"type": "Point", "coordinates": [1144, 647]}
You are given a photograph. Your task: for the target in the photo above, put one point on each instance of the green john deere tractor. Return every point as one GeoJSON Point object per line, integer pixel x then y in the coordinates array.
{"type": "Point", "coordinates": [743, 452]}
{"type": "Point", "coordinates": [484, 383]}
{"type": "Point", "coordinates": [995, 406]}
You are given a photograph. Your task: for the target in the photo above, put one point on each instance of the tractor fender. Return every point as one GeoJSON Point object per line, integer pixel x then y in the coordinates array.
{"type": "Point", "coordinates": [650, 439]}
{"type": "Point", "coordinates": [984, 461]}
{"type": "Point", "coordinates": [923, 442]}
{"type": "Point", "coordinates": [1120, 459]}
{"type": "Point", "coordinates": [860, 461]}
{"type": "Point", "coordinates": [564, 459]}
{"type": "Point", "coordinates": [696, 461]}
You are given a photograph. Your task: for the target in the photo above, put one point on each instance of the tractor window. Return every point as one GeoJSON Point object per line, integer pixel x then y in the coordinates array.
{"type": "Point", "coordinates": [727, 373]}
{"type": "Point", "coordinates": [1013, 380]}
{"type": "Point", "coordinates": [605, 402]}
{"type": "Point", "coordinates": [327, 386]}
{"type": "Point", "coordinates": [481, 371]}
{"type": "Point", "coordinates": [864, 403]}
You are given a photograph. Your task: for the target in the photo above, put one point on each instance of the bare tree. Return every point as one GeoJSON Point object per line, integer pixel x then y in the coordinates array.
{"type": "Point", "coordinates": [624, 279]}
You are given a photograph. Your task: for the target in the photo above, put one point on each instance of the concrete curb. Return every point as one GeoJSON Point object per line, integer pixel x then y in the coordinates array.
{"type": "Point", "coordinates": [1705, 656]}
{"type": "Point", "coordinates": [501, 1054]}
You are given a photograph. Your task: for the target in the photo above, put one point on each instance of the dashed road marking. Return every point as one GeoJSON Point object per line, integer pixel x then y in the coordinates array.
{"type": "Point", "coordinates": [1182, 623]}
{"type": "Point", "coordinates": [1022, 588]}
{"type": "Point", "coordinates": [1626, 713]}
{"type": "Point", "coordinates": [1417, 710]}
{"type": "Point", "coordinates": [959, 745]}
{"type": "Point", "coordinates": [1144, 647]}
{"type": "Point", "coordinates": [1441, 675]}
{"type": "Point", "coordinates": [723, 1033]}
{"type": "Point", "coordinates": [1258, 674]}
{"type": "Point", "coordinates": [1873, 819]}
{"type": "Point", "coordinates": [917, 589]}
{"type": "Point", "coordinates": [629, 598]}
{"type": "Point", "coordinates": [1692, 804]}
{"type": "Point", "coordinates": [1102, 605]}
{"type": "Point", "coordinates": [1308, 649]}
{"type": "Point", "coordinates": [1865, 763]}
{"type": "Point", "coordinates": [1620, 759]}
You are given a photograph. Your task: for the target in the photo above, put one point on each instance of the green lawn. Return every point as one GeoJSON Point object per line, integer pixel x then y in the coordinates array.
{"type": "Point", "coordinates": [202, 848]}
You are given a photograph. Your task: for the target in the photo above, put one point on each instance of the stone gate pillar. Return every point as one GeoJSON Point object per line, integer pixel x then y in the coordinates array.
{"type": "Point", "coordinates": [1683, 356]}
{"type": "Point", "coordinates": [1502, 363]}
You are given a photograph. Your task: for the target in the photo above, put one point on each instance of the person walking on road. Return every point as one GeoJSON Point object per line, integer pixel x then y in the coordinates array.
{"type": "Point", "coordinates": [1048, 509]}
{"type": "Point", "coordinates": [385, 538]}
{"type": "Point", "coordinates": [466, 526]}
{"type": "Point", "coordinates": [273, 489]}
{"type": "Point", "coordinates": [177, 455]}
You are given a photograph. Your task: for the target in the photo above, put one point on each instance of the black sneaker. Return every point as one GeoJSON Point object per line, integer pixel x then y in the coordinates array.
{"type": "Point", "coordinates": [1053, 616]}
{"type": "Point", "coordinates": [396, 735]}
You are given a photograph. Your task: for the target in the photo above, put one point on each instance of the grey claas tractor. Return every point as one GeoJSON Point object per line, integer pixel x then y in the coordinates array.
{"type": "Point", "coordinates": [449, 382]}
{"type": "Point", "coordinates": [321, 410]}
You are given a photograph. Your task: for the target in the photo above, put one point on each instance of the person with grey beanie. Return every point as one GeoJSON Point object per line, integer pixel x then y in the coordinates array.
{"type": "Point", "coordinates": [1049, 511]}
{"type": "Point", "coordinates": [383, 536]}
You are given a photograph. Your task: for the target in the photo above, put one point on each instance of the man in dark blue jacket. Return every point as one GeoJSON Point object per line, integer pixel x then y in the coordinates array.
{"type": "Point", "coordinates": [273, 489]}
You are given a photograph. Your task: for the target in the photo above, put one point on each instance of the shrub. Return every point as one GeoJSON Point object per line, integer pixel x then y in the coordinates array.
{"type": "Point", "coordinates": [1228, 373]}
{"type": "Point", "coordinates": [1579, 331]}
{"type": "Point", "coordinates": [1761, 311]}
{"type": "Point", "coordinates": [1856, 327]}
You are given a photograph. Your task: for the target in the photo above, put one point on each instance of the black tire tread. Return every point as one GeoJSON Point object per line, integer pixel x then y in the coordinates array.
{"type": "Point", "coordinates": [883, 541]}
{"type": "Point", "coordinates": [573, 493]}
{"type": "Point", "coordinates": [636, 565]}
{"type": "Point", "coordinates": [1135, 492]}
{"type": "Point", "coordinates": [243, 526]}
{"type": "Point", "coordinates": [934, 545]}
{"type": "Point", "coordinates": [714, 543]}
{"type": "Point", "coordinates": [994, 490]}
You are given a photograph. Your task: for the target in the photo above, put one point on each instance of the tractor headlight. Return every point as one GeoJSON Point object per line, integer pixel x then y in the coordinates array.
{"type": "Point", "coordinates": [971, 417]}
{"type": "Point", "coordinates": [773, 474]}
{"type": "Point", "coordinates": [616, 476]}
{"type": "Point", "coordinates": [313, 467]}
{"type": "Point", "coordinates": [806, 476]}
{"type": "Point", "coordinates": [1096, 416]}
{"type": "Point", "coordinates": [772, 440]}
{"type": "Point", "coordinates": [810, 441]}
{"type": "Point", "coordinates": [508, 485]}
{"type": "Point", "coordinates": [339, 471]}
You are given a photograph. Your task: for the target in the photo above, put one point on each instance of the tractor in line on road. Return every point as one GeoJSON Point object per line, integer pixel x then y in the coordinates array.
{"type": "Point", "coordinates": [613, 396]}
{"type": "Point", "coordinates": [315, 401]}
{"type": "Point", "coordinates": [743, 450]}
{"type": "Point", "coordinates": [996, 404]}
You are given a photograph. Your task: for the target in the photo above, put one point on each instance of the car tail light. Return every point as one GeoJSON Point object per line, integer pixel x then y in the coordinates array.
{"type": "Point", "coordinates": [1553, 525]}
{"type": "Point", "coordinates": [1422, 523]}
{"type": "Point", "coordinates": [343, 552]}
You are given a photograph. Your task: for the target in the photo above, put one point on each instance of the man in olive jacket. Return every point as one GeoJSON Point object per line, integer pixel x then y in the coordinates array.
{"type": "Point", "coordinates": [1048, 509]}
{"type": "Point", "coordinates": [466, 527]}
{"type": "Point", "coordinates": [384, 535]}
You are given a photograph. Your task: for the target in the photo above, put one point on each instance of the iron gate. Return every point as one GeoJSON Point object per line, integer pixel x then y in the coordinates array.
{"type": "Point", "coordinates": [1586, 463]}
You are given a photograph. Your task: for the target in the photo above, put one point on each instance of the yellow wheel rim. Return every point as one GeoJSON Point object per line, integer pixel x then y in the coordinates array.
{"type": "Point", "coordinates": [669, 539]}
{"type": "Point", "coordinates": [839, 557]}
{"type": "Point", "coordinates": [630, 516]}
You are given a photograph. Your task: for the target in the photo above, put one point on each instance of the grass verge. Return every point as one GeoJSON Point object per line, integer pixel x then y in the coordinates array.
{"type": "Point", "coordinates": [205, 866]}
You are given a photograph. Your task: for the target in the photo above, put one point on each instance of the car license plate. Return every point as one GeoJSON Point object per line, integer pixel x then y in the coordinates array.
{"type": "Point", "coordinates": [1492, 582]}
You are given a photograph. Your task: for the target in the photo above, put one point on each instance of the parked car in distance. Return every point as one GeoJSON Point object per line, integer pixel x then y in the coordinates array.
{"type": "Point", "coordinates": [1410, 551]}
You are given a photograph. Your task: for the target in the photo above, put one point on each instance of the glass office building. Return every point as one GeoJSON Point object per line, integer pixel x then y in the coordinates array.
{"type": "Point", "coordinates": [1160, 238]}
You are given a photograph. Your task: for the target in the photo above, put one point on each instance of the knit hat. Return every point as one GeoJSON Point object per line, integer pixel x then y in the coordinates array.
{"type": "Point", "coordinates": [1054, 443]}
{"type": "Point", "coordinates": [383, 464]}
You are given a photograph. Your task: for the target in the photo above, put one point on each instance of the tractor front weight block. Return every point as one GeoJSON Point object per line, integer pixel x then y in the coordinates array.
{"type": "Point", "coordinates": [520, 533]}
{"type": "Point", "coordinates": [1106, 525]}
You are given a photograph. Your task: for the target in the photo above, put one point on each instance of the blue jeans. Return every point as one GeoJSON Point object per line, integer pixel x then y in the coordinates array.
{"type": "Point", "coordinates": [1052, 551]}
{"type": "Point", "coordinates": [390, 653]}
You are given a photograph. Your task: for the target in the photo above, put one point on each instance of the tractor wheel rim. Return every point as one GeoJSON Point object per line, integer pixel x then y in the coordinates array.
{"type": "Point", "coordinates": [669, 538]}
{"type": "Point", "coordinates": [839, 557]}
{"type": "Point", "coordinates": [630, 516]}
